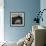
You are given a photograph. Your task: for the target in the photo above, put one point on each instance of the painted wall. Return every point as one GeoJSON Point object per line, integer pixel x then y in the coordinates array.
{"type": "Point", "coordinates": [30, 7]}
{"type": "Point", "coordinates": [43, 6]}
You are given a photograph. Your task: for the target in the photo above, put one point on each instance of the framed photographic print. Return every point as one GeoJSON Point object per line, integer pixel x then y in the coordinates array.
{"type": "Point", "coordinates": [17, 19]}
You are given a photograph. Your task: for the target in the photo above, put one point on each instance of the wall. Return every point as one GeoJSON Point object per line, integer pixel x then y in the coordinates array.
{"type": "Point", "coordinates": [27, 6]}
{"type": "Point", "coordinates": [43, 6]}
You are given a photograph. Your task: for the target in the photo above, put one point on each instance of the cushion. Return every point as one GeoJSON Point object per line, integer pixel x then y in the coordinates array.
{"type": "Point", "coordinates": [20, 42]}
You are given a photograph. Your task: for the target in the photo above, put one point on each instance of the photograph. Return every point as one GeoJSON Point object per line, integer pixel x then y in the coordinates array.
{"type": "Point", "coordinates": [17, 18]}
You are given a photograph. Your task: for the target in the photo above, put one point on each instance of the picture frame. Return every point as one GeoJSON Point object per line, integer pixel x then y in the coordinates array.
{"type": "Point", "coordinates": [17, 19]}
